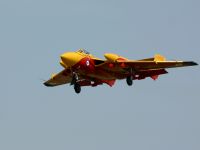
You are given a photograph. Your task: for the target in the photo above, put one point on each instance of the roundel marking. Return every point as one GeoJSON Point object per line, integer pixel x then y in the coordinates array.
{"type": "Point", "coordinates": [87, 63]}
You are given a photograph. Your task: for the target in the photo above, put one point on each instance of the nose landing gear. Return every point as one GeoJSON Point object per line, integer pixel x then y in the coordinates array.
{"type": "Point", "coordinates": [77, 86]}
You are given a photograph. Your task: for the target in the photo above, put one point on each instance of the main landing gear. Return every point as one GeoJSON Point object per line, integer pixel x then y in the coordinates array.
{"type": "Point", "coordinates": [77, 88]}
{"type": "Point", "coordinates": [129, 80]}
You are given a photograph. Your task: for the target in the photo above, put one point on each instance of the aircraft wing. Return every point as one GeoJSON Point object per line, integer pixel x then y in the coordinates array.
{"type": "Point", "coordinates": [150, 65]}
{"type": "Point", "coordinates": [62, 77]}
{"type": "Point", "coordinates": [147, 64]}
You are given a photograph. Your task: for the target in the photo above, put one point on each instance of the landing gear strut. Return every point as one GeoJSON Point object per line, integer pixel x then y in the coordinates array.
{"type": "Point", "coordinates": [129, 80]}
{"type": "Point", "coordinates": [74, 82]}
{"type": "Point", "coordinates": [74, 79]}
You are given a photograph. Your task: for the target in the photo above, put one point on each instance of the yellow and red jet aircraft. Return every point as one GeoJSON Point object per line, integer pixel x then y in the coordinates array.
{"type": "Point", "coordinates": [83, 69]}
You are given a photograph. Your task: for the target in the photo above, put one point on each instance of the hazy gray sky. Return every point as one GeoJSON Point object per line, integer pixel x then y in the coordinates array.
{"type": "Point", "coordinates": [148, 116]}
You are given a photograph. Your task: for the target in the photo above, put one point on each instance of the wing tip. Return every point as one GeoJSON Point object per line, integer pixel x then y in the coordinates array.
{"type": "Point", "coordinates": [195, 64]}
{"type": "Point", "coordinates": [47, 84]}
{"type": "Point", "coordinates": [190, 63]}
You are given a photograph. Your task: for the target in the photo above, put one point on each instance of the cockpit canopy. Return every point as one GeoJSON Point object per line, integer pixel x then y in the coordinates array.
{"type": "Point", "coordinates": [83, 51]}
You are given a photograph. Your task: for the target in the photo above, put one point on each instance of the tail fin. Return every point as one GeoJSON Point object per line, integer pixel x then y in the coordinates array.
{"type": "Point", "coordinates": [159, 57]}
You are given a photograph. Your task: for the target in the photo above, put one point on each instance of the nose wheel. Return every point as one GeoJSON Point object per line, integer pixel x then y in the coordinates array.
{"type": "Point", "coordinates": [77, 87]}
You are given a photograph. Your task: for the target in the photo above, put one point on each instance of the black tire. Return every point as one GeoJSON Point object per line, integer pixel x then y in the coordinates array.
{"type": "Point", "coordinates": [77, 88]}
{"type": "Point", "coordinates": [129, 80]}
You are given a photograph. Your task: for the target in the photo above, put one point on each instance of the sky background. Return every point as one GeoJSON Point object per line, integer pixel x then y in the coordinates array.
{"type": "Point", "coordinates": [151, 115]}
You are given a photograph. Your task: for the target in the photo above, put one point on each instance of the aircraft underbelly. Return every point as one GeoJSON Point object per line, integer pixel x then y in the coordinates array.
{"type": "Point", "coordinates": [105, 75]}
